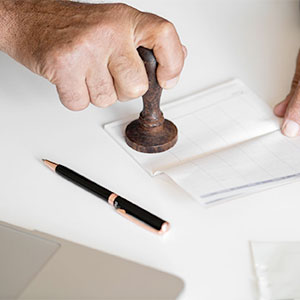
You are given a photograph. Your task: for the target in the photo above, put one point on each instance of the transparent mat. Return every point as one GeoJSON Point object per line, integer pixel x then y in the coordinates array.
{"type": "Point", "coordinates": [277, 269]}
{"type": "Point", "coordinates": [229, 145]}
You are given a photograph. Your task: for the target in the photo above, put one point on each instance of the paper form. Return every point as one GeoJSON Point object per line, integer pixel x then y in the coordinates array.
{"type": "Point", "coordinates": [229, 144]}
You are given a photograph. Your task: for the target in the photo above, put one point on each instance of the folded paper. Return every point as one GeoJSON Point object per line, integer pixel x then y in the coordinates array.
{"type": "Point", "coordinates": [229, 145]}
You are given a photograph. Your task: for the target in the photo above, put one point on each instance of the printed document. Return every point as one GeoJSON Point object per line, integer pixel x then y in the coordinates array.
{"type": "Point", "coordinates": [229, 145]}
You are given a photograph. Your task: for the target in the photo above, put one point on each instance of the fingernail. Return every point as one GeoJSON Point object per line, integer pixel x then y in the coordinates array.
{"type": "Point", "coordinates": [290, 128]}
{"type": "Point", "coordinates": [170, 83]}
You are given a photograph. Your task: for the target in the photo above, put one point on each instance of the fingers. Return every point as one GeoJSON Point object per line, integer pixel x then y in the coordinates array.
{"type": "Point", "coordinates": [103, 66]}
{"type": "Point", "coordinates": [160, 35]}
{"type": "Point", "coordinates": [290, 107]}
{"type": "Point", "coordinates": [170, 55]}
{"type": "Point", "coordinates": [101, 87]}
{"type": "Point", "coordinates": [129, 74]}
{"type": "Point", "coordinates": [73, 94]}
{"type": "Point", "coordinates": [291, 123]}
{"type": "Point", "coordinates": [280, 108]}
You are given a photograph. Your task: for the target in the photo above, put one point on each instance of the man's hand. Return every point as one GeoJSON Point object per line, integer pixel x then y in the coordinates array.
{"type": "Point", "coordinates": [89, 50]}
{"type": "Point", "coordinates": [289, 108]}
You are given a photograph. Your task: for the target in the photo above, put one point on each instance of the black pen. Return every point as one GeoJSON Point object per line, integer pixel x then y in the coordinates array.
{"type": "Point", "coordinates": [125, 208]}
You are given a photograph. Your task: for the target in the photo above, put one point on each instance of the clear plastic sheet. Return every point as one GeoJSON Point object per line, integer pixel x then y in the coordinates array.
{"type": "Point", "coordinates": [277, 269]}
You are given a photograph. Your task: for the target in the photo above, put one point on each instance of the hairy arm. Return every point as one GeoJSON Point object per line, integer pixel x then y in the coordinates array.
{"type": "Point", "coordinates": [8, 26]}
{"type": "Point", "coordinates": [89, 50]}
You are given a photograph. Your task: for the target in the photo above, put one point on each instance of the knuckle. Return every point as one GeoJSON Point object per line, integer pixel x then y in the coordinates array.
{"type": "Point", "coordinates": [130, 77]}
{"type": "Point", "coordinates": [293, 113]}
{"type": "Point", "coordinates": [169, 72]}
{"type": "Point", "coordinates": [67, 53]}
{"type": "Point", "coordinates": [47, 66]}
{"type": "Point", "coordinates": [166, 28]}
{"type": "Point", "coordinates": [122, 66]}
{"type": "Point", "coordinates": [185, 51]}
{"type": "Point", "coordinates": [122, 6]}
{"type": "Point", "coordinates": [135, 91]}
{"type": "Point", "coordinates": [55, 57]}
{"type": "Point", "coordinates": [62, 58]}
{"type": "Point", "coordinates": [102, 94]}
{"type": "Point", "coordinates": [294, 110]}
{"type": "Point", "coordinates": [53, 65]}
{"type": "Point", "coordinates": [174, 70]}
{"type": "Point", "coordinates": [124, 10]}
{"type": "Point", "coordinates": [102, 87]}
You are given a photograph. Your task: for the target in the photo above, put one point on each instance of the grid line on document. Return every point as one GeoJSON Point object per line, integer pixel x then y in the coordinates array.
{"type": "Point", "coordinates": [255, 162]}
{"type": "Point", "coordinates": [291, 142]}
{"type": "Point", "coordinates": [192, 162]}
{"type": "Point", "coordinates": [190, 140]}
{"type": "Point", "coordinates": [231, 166]}
{"type": "Point", "coordinates": [182, 133]}
{"type": "Point", "coordinates": [272, 179]}
{"type": "Point", "coordinates": [216, 133]}
{"type": "Point", "coordinates": [249, 185]}
{"type": "Point", "coordinates": [172, 151]}
{"type": "Point", "coordinates": [243, 128]}
{"type": "Point", "coordinates": [250, 103]}
{"type": "Point", "coordinates": [214, 178]}
{"type": "Point", "coordinates": [210, 175]}
{"type": "Point", "coordinates": [277, 157]}
{"type": "Point", "coordinates": [239, 124]}
{"type": "Point", "coordinates": [217, 102]}
{"type": "Point", "coordinates": [198, 147]}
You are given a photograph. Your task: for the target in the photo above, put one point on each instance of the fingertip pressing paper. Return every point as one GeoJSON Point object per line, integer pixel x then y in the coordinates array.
{"type": "Point", "coordinates": [229, 145]}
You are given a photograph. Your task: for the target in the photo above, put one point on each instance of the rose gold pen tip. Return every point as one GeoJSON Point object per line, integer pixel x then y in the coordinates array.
{"type": "Point", "coordinates": [50, 164]}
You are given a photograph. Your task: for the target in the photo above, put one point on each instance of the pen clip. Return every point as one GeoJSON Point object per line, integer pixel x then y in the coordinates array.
{"type": "Point", "coordinates": [164, 227]}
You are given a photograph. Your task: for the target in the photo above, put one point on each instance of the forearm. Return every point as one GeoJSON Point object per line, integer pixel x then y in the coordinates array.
{"type": "Point", "coordinates": [8, 26]}
{"type": "Point", "coordinates": [89, 50]}
{"type": "Point", "coordinates": [27, 27]}
{"type": "Point", "coordinates": [21, 23]}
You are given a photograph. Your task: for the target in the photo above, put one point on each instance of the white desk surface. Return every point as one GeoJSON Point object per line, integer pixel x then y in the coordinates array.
{"type": "Point", "coordinates": [255, 40]}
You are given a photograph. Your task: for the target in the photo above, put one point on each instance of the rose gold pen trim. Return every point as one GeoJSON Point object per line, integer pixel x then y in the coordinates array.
{"type": "Point", "coordinates": [112, 198]}
{"type": "Point", "coordinates": [164, 228]}
{"type": "Point", "coordinates": [51, 165]}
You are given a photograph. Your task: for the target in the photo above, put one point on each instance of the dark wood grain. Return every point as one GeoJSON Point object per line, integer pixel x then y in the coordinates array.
{"type": "Point", "coordinates": [151, 133]}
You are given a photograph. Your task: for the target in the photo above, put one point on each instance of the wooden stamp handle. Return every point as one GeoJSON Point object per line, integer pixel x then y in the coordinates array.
{"type": "Point", "coordinates": [151, 133]}
{"type": "Point", "coordinates": [151, 116]}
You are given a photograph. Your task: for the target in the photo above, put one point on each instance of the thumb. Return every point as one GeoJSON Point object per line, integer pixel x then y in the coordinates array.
{"type": "Point", "coordinates": [291, 123]}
